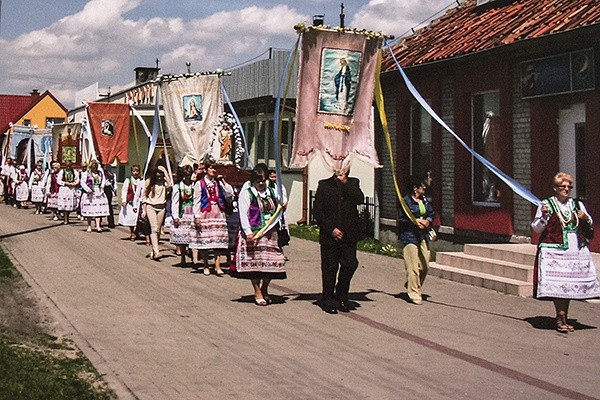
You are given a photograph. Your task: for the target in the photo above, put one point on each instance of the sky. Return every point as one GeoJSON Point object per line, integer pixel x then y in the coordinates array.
{"type": "Point", "coordinates": [66, 45]}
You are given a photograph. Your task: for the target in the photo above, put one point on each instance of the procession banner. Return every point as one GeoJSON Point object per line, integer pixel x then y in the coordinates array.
{"type": "Point", "coordinates": [66, 143]}
{"type": "Point", "coordinates": [109, 123]}
{"type": "Point", "coordinates": [42, 145]}
{"type": "Point", "coordinates": [192, 105]}
{"type": "Point", "coordinates": [335, 95]}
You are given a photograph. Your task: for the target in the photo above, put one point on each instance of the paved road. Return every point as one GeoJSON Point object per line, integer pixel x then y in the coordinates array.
{"type": "Point", "coordinates": [161, 332]}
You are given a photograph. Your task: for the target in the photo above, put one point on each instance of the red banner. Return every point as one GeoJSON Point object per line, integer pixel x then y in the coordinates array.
{"type": "Point", "coordinates": [110, 128]}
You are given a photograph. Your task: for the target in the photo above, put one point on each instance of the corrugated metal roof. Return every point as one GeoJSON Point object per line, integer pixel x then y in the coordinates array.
{"type": "Point", "coordinates": [260, 78]}
{"type": "Point", "coordinates": [469, 28]}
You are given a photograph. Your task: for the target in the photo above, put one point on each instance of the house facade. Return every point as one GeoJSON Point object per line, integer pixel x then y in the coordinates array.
{"type": "Point", "coordinates": [517, 81]}
{"type": "Point", "coordinates": [38, 111]}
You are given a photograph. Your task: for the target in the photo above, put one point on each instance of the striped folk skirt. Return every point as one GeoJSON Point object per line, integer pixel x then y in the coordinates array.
{"type": "Point", "coordinates": [94, 205]}
{"type": "Point", "coordinates": [183, 233]}
{"type": "Point", "coordinates": [263, 259]}
{"type": "Point", "coordinates": [213, 231]}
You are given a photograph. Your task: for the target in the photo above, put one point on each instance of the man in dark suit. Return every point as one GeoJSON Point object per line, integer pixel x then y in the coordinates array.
{"type": "Point", "coordinates": [335, 209]}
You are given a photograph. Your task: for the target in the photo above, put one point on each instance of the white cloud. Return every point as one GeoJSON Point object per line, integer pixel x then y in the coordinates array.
{"type": "Point", "coordinates": [396, 17]}
{"type": "Point", "coordinates": [100, 44]}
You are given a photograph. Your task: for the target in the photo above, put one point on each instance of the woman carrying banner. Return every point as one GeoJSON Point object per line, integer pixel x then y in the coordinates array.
{"type": "Point", "coordinates": [21, 189]}
{"type": "Point", "coordinates": [416, 241]}
{"type": "Point", "coordinates": [182, 202]}
{"type": "Point", "coordinates": [261, 259]}
{"type": "Point", "coordinates": [52, 187]}
{"type": "Point", "coordinates": [564, 269]}
{"type": "Point", "coordinates": [68, 180]}
{"type": "Point", "coordinates": [36, 187]}
{"type": "Point", "coordinates": [154, 200]}
{"type": "Point", "coordinates": [210, 194]}
{"type": "Point", "coordinates": [94, 204]}
{"type": "Point", "coordinates": [128, 215]}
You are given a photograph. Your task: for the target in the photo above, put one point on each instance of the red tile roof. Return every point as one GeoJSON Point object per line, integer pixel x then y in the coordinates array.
{"type": "Point", "coordinates": [469, 28]}
{"type": "Point", "coordinates": [11, 107]}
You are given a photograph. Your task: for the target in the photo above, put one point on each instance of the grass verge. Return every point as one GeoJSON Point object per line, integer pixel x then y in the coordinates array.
{"type": "Point", "coordinates": [36, 365]}
{"type": "Point", "coordinates": [370, 245]}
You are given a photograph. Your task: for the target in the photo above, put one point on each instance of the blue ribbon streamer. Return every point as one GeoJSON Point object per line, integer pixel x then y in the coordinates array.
{"type": "Point", "coordinates": [513, 184]}
{"type": "Point", "coordinates": [155, 130]}
{"type": "Point", "coordinates": [237, 121]}
{"type": "Point", "coordinates": [276, 124]}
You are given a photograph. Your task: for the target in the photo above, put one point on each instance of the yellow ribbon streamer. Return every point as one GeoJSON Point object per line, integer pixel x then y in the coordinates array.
{"type": "Point", "coordinates": [386, 131]}
{"type": "Point", "coordinates": [270, 222]}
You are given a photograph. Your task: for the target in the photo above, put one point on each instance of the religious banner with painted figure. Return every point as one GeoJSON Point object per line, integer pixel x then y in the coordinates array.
{"type": "Point", "coordinates": [192, 106]}
{"type": "Point", "coordinates": [66, 143]}
{"type": "Point", "coordinates": [109, 123]}
{"type": "Point", "coordinates": [42, 146]}
{"type": "Point", "coordinates": [335, 95]}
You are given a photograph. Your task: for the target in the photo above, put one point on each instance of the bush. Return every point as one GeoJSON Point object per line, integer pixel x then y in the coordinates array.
{"type": "Point", "coordinates": [370, 245]}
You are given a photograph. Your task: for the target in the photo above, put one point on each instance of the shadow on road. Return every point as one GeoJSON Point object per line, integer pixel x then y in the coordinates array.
{"type": "Point", "coordinates": [549, 323]}
{"type": "Point", "coordinates": [42, 228]}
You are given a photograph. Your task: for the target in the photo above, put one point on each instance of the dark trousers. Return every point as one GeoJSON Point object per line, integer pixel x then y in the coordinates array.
{"type": "Point", "coordinates": [111, 212]}
{"type": "Point", "coordinates": [337, 261]}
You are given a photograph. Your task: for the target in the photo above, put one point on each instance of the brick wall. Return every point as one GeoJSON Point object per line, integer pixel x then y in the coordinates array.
{"type": "Point", "coordinates": [521, 156]}
{"type": "Point", "coordinates": [448, 141]}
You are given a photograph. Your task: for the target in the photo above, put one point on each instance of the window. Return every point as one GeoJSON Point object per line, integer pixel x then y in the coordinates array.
{"type": "Point", "coordinates": [53, 121]}
{"type": "Point", "coordinates": [486, 139]}
{"type": "Point", "coordinates": [26, 122]}
{"type": "Point", "coordinates": [259, 133]}
{"type": "Point", "coordinates": [420, 145]}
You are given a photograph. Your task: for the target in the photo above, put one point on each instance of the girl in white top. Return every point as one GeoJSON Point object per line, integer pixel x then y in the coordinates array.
{"type": "Point", "coordinates": [94, 204]}
{"type": "Point", "coordinates": [129, 207]}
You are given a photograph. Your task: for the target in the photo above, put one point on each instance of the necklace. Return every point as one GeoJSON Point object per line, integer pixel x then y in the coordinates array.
{"type": "Point", "coordinates": [565, 214]}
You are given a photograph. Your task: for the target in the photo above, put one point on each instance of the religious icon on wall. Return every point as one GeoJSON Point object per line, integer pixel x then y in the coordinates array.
{"type": "Point", "coordinates": [339, 79]}
{"type": "Point", "coordinates": [192, 108]}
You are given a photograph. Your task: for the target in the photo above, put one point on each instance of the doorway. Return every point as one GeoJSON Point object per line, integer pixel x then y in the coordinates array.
{"type": "Point", "coordinates": [571, 145]}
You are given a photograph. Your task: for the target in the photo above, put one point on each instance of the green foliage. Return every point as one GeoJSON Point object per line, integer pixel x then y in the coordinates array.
{"type": "Point", "coordinates": [308, 232]}
{"type": "Point", "coordinates": [7, 270]}
{"type": "Point", "coordinates": [33, 364]}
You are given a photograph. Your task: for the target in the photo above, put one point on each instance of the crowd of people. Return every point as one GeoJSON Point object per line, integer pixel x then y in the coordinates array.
{"type": "Point", "coordinates": [207, 218]}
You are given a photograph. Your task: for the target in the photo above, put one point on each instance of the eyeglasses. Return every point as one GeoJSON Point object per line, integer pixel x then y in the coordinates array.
{"type": "Point", "coordinates": [564, 187]}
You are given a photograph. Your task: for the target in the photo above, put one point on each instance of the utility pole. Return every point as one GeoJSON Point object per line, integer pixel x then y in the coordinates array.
{"type": "Point", "coordinates": [342, 16]}
{"type": "Point", "coordinates": [0, 18]}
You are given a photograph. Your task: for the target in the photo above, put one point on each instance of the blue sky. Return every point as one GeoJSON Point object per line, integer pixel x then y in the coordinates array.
{"type": "Point", "coordinates": [66, 45]}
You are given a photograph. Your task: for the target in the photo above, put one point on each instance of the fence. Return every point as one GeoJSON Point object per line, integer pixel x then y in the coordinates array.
{"type": "Point", "coordinates": [366, 213]}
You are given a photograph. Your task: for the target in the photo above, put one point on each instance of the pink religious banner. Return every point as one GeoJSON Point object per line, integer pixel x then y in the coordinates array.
{"type": "Point", "coordinates": [335, 97]}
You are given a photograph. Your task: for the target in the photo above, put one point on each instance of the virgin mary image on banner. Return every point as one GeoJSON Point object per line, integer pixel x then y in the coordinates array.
{"type": "Point", "coordinates": [339, 79]}
{"type": "Point", "coordinates": [193, 107]}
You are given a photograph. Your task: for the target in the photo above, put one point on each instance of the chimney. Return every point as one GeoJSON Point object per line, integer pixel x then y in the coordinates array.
{"type": "Point", "coordinates": [35, 94]}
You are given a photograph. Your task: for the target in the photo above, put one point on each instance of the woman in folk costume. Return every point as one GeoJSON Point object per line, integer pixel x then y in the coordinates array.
{"type": "Point", "coordinates": [210, 193]}
{"type": "Point", "coordinates": [564, 269]}
{"type": "Point", "coordinates": [52, 188]}
{"type": "Point", "coordinates": [182, 202]}
{"type": "Point", "coordinates": [258, 259]}
{"type": "Point", "coordinates": [36, 188]}
{"type": "Point", "coordinates": [68, 193]}
{"type": "Point", "coordinates": [21, 186]}
{"type": "Point", "coordinates": [94, 204]}
{"type": "Point", "coordinates": [129, 208]}
{"type": "Point", "coordinates": [154, 201]}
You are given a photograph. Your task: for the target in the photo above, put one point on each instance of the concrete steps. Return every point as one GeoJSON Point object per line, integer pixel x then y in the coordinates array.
{"type": "Point", "coordinates": [506, 268]}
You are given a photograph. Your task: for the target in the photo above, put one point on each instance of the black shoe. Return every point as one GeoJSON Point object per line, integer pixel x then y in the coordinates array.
{"type": "Point", "coordinates": [344, 306]}
{"type": "Point", "coordinates": [330, 309]}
